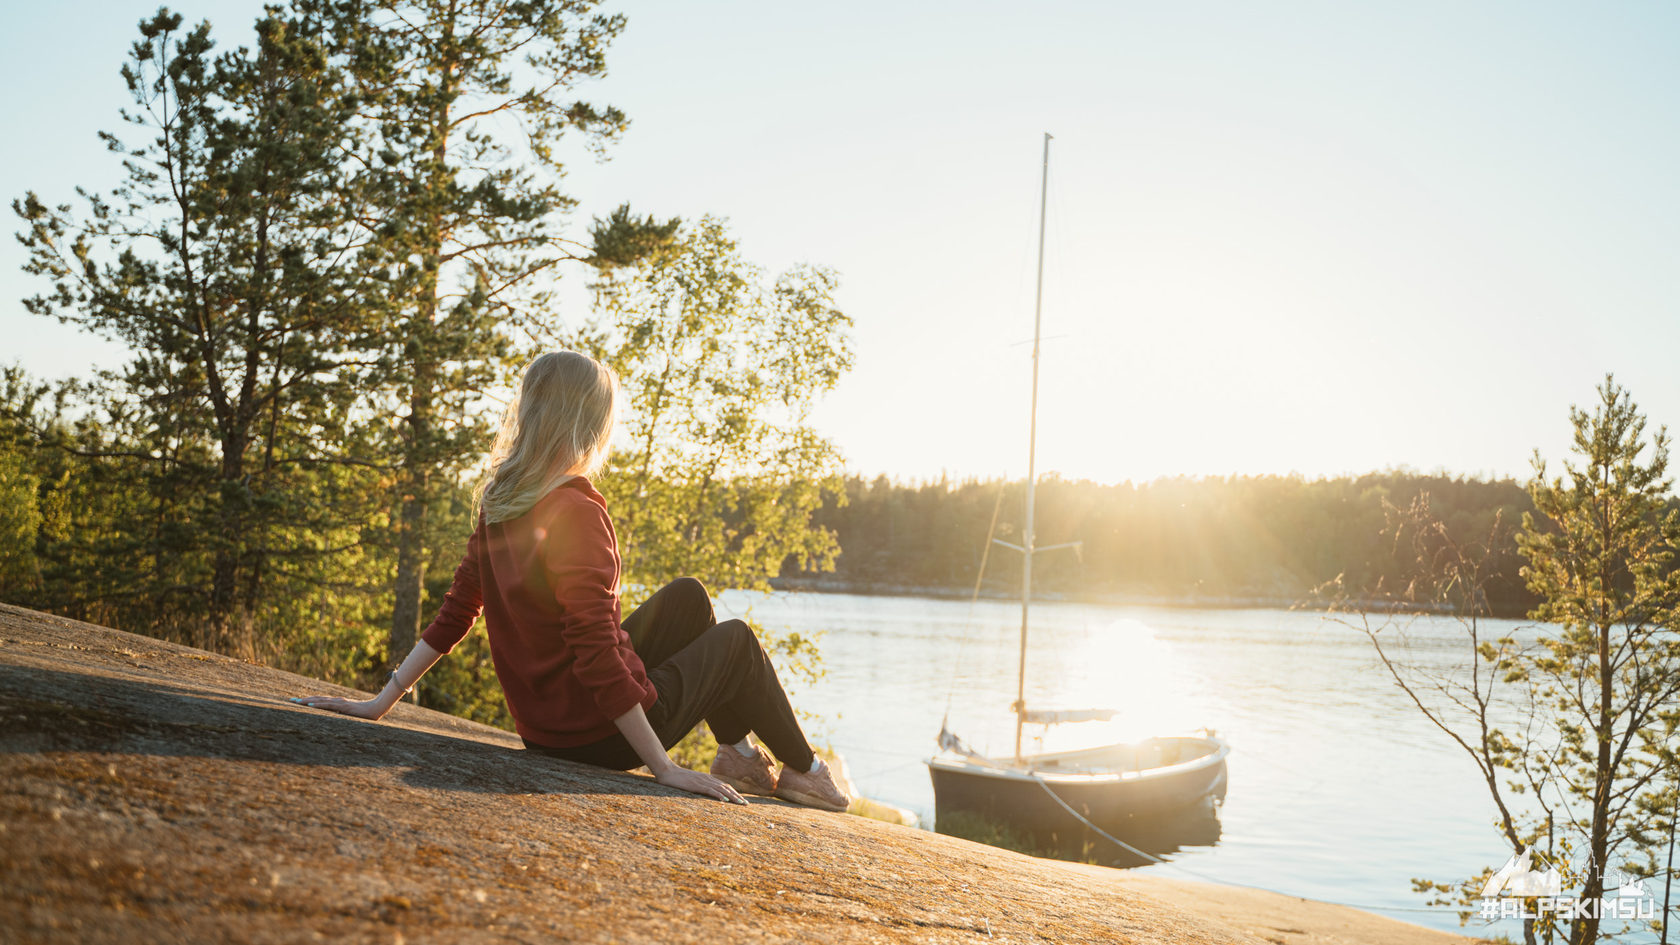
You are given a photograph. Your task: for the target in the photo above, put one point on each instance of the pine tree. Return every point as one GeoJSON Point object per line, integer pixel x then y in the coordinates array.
{"type": "Point", "coordinates": [1600, 546]}
{"type": "Point", "coordinates": [467, 102]}
{"type": "Point", "coordinates": [217, 264]}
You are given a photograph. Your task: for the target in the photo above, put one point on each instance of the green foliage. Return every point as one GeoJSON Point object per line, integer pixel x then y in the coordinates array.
{"type": "Point", "coordinates": [216, 263]}
{"type": "Point", "coordinates": [723, 470]}
{"type": "Point", "coordinates": [1654, 832]}
{"type": "Point", "coordinates": [20, 506]}
{"type": "Point", "coordinates": [465, 682]}
{"type": "Point", "coordinates": [19, 518]}
{"type": "Point", "coordinates": [697, 750]}
{"type": "Point", "coordinates": [970, 825]}
{"type": "Point", "coordinates": [979, 828]}
{"type": "Point", "coordinates": [623, 239]}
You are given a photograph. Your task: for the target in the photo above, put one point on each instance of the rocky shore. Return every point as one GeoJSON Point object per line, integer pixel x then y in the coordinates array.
{"type": "Point", "coordinates": [156, 793]}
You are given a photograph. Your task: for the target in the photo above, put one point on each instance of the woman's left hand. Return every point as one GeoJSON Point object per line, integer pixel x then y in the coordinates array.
{"type": "Point", "coordinates": [370, 709]}
{"type": "Point", "coordinates": [698, 782]}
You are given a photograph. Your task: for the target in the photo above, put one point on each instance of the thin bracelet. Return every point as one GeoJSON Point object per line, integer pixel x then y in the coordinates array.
{"type": "Point", "coordinates": [393, 679]}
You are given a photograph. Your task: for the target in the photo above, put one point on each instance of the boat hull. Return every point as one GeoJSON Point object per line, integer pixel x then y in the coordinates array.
{"type": "Point", "coordinates": [1156, 809]}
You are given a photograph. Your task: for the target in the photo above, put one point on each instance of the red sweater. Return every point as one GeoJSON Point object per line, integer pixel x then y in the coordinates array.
{"type": "Point", "coordinates": [547, 583]}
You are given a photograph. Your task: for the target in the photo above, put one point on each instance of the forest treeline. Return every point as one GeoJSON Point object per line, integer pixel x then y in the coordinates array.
{"type": "Point", "coordinates": [1238, 539]}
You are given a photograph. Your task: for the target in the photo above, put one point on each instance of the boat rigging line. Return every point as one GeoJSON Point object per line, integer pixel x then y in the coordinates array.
{"type": "Point", "coordinates": [974, 598]}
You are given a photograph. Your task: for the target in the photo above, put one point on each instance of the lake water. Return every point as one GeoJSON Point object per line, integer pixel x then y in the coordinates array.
{"type": "Point", "coordinates": [1339, 789]}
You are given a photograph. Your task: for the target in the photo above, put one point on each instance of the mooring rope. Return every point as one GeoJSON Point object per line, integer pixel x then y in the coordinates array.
{"type": "Point", "coordinates": [1111, 838]}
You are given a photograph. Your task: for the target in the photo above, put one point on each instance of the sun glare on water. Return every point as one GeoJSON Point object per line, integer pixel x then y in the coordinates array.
{"type": "Point", "coordinates": [1122, 665]}
{"type": "Point", "coordinates": [1079, 657]}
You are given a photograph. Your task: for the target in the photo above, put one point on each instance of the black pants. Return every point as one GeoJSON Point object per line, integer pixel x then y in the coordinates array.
{"type": "Point", "coordinates": [702, 669]}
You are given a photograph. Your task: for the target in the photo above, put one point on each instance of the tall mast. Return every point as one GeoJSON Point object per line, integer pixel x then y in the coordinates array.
{"type": "Point", "coordinates": [1032, 455]}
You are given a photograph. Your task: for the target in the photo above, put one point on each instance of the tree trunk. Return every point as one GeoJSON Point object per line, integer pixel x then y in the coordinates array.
{"type": "Point", "coordinates": [411, 572]}
{"type": "Point", "coordinates": [225, 634]}
{"type": "Point", "coordinates": [1585, 930]}
{"type": "Point", "coordinates": [1668, 872]}
{"type": "Point", "coordinates": [411, 521]}
{"type": "Point", "coordinates": [218, 621]}
{"type": "Point", "coordinates": [421, 454]}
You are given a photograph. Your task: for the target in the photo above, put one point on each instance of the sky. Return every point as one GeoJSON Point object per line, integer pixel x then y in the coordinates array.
{"type": "Point", "coordinates": [1312, 238]}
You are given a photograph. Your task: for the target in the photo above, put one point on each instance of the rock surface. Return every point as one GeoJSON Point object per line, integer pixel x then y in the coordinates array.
{"type": "Point", "coordinates": [155, 793]}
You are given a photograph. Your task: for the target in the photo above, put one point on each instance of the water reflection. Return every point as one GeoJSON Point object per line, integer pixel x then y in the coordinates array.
{"type": "Point", "coordinates": [1145, 839]}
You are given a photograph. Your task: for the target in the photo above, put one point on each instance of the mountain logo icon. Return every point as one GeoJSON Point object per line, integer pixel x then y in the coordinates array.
{"type": "Point", "coordinates": [1633, 889]}
{"type": "Point", "coordinates": [1517, 878]}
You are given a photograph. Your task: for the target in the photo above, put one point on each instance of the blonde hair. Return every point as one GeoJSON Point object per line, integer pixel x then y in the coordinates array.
{"type": "Point", "coordinates": [559, 426]}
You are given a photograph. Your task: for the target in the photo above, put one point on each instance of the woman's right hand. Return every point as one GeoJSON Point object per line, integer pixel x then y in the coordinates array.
{"type": "Point", "coordinates": [634, 725]}
{"type": "Point", "coordinates": [698, 782]}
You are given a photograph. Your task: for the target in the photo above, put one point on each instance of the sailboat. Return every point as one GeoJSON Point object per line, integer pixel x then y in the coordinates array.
{"type": "Point", "coordinates": [1172, 781]}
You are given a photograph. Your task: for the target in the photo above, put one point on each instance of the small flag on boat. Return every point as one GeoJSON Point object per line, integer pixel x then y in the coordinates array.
{"type": "Point", "coordinates": [1058, 716]}
{"type": "Point", "coordinates": [950, 742]}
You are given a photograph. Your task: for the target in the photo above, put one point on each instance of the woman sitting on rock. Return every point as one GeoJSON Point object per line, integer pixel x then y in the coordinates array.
{"type": "Point", "coordinates": [543, 568]}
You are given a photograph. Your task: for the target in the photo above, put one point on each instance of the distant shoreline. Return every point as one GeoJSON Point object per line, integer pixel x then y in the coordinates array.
{"type": "Point", "coordinates": [1188, 602]}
